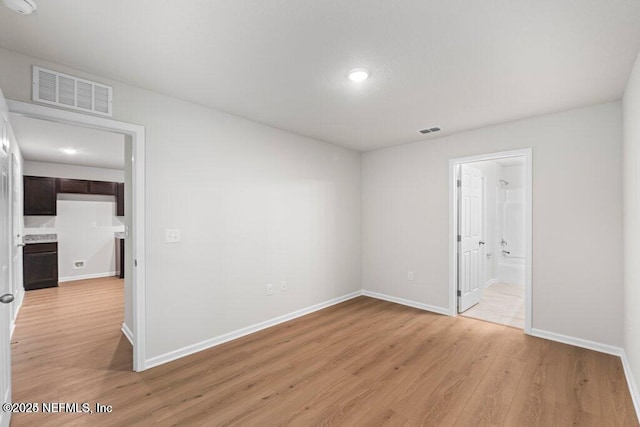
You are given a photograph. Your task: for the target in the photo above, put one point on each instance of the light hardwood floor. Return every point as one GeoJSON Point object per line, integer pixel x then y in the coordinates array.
{"type": "Point", "coordinates": [363, 362]}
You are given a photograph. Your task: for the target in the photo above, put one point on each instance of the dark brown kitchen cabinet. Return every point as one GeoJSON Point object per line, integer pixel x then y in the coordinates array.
{"type": "Point", "coordinates": [120, 199]}
{"type": "Point", "coordinates": [73, 186]}
{"type": "Point", "coordinates": [39, 195]}
{"type": "Point", "coordinates": [40, 266]}
{"type": "Point", "coordinates": [102, 187]}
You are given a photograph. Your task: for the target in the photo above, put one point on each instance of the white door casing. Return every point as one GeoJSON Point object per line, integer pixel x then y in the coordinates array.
{"type": "Point", "coordinates": [470, 262]}
{"type": "Point", "coordinates": [16, 231]}
{"type": "Point", "coordinates": [5, 260]}
{"type": "Point", "coordinates": [138, 253]}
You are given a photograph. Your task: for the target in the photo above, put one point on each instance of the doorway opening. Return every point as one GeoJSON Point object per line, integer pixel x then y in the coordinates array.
{"type": "Point", "coordinates": [491, 229]}
{"type": "Point", "coordinates": [132, 223]}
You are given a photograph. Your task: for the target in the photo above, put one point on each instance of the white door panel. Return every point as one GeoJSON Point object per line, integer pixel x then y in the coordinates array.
{"type": "Point", "coordinates": [470, 271]}
{"type": "Point", "coordinates": [5, 260]}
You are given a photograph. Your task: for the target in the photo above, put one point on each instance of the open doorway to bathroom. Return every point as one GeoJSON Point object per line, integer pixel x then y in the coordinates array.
{"type": "Point", "coordinates": [491, 219]}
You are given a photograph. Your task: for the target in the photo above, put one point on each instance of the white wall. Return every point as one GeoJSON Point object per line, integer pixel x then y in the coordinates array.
{"type": "Point", "coordinates": [78, 239]}
{"type": "Point", "coordinates": [512, 218]}
{"type": "Point", "coordinates": [631, 156]}
{"type": "Point", "coordinates": [491, 172]}
{"type": "Point", "coordinates": [255, 205]}
{"type": "Point", "coordinates": [577, 213]}
{"type": "Point", "coordinates": [58, 170]}
{"type": "Point", "coordinates": [85, 225]}
{"type": "Point", "coordinates": [514, 175]}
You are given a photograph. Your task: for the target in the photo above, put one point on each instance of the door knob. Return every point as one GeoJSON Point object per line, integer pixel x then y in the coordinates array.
{"type": "Point", "coordinates": [481, 242]}
{"type": "Point", "coordinates": [6, 298]}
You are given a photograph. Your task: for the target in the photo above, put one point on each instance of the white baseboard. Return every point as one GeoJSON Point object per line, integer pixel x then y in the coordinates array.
{"type": "Point", "coordinates": [20, 298]}
{"type": "Point", "coordinates": [194, 348]}
{"type": "Point", "coordinates": [409, 303]}
{"type": "Point", "coordinates": [490, 282]}
{"type": "Point", "coordinates": [127, 332]}
{"type": "Point", "coordinates": [578, 342]}
{"type": "Point", "coordinates": [87, 276]}
{"type": "Point", "coordinates": [631, 382]}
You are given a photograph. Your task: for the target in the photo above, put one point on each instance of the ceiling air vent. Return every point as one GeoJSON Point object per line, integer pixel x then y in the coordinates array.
{"type": "Point", "coordinates": [430, 130]}
{"type": "Point", "coordinates": [51, 87]}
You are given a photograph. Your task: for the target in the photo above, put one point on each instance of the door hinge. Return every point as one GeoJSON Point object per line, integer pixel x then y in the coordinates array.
{"type": "Point", "coordinates": [458, 183]}
{"type": "Point", "coordinates": [459, 238]}
{"type": "Point", "coordinates": [459, 293]}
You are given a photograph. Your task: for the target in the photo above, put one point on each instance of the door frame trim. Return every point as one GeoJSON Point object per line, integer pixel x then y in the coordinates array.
{"type": "Point", "coordinates": [137, 134]}
{"type": "Point", "coordinates": [527, 153]}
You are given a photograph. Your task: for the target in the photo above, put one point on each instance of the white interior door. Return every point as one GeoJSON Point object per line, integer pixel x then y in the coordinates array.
{"type": "Point", "coordinates": [470, 245]}
{"type": "Point", "coordinates": [16, 231]}
{"type": "Point", "coordinates": [5, 259]}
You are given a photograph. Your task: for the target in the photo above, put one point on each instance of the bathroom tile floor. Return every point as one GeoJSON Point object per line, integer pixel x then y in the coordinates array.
{"type": "Point", "coordinates": [501, 303]}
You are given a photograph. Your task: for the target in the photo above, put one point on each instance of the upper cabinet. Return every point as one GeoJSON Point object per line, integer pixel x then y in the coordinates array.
{"type": "Point", "coordinates": [102, 187]}
{"type": "Point", "coordinates": [39, 195]}
{"type": "Point", "coordinates": [78, 186]}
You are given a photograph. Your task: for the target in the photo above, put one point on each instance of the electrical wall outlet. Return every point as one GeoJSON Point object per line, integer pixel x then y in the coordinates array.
{"type": "Point", "coordinates": [79, 265]}
{"type": "Point", "coordinates": [269, 289]}
{"type": "Point", "coordinates": [410, 275]}
{"type": "Point", "coordinates": [172, 235]}
{"type": "Point", "coordinates": [283, 286]}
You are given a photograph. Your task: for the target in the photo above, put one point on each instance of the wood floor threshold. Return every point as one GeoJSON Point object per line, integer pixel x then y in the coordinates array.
{"type": "Point", "coordinates": [363, 362]}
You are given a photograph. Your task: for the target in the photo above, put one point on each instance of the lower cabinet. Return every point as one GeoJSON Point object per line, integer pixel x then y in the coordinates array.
{"type": "Point", "coordinates": [40, 266]}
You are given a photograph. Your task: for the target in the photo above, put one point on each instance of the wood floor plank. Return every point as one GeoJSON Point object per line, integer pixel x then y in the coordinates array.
{"type": "Point", "coordinates": [364, 362]}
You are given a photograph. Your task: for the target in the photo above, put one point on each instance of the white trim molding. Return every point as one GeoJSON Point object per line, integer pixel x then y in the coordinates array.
{"type": "Point", "coordinates": [221, 339]}
{"type": "Point", "coordinates": [127, 332]}
{"type": "Point", "coordinates": [408, 303]}
{"type": "Point", "coordinates": [137, 135]}
{"type": "Point", "coordinates": [631, 382]}
{"type": "Point", "coordinates": [15, 318]}
{"type": "Point", "coordinates": [454, 164]}
{"type": "Point", "coordinates": [578, 342]}
{"type": "Point", "coordinates": [86, 276]}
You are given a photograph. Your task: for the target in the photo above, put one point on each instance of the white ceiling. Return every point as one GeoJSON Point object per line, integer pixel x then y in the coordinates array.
{"type": "Point", "coordinates": [457, 64]}
{"type": "Point", "coordinates": [43, 141]}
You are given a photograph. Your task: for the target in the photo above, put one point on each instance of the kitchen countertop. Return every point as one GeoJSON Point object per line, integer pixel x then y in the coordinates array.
{"type": "Point", "coordinates": [30, 239]}
{"type": "Point", "coordinates": [119, 234]}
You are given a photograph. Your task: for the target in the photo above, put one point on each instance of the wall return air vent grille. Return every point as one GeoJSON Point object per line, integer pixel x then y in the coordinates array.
{"type": "Point", "coordinates": [430, 130]}
{"type": "Point", "coordinates": [51, 87]}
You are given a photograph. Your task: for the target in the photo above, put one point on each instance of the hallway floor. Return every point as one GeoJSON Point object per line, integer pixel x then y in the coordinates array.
{"type": "Point", "coordinates": [501, 303]}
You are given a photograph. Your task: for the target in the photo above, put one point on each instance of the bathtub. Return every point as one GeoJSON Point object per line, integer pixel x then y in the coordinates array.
{"type": "Point", "coordinates": [511, 270]}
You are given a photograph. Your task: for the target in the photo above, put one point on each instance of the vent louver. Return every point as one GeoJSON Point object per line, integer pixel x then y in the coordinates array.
{"type": "Point", "coordinates": [430, 130]}
{"type": "Point", "coordinates": [52, 87]}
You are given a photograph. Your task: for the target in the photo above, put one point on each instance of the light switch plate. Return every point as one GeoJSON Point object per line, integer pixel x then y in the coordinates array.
{"type": "Point", "coordinates": [172, 235]}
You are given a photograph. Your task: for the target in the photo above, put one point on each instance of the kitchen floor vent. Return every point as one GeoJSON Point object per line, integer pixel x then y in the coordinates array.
{"type": "Point", "coordinates": [52, 87]}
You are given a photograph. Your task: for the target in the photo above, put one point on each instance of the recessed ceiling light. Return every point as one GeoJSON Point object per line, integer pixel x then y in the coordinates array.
{"type": "Point", "coordinates": [70, 151]}
{"type": "Point", "coordinates": [23, 7]}
{"type": "Point", "coordinates": [358, 75]}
